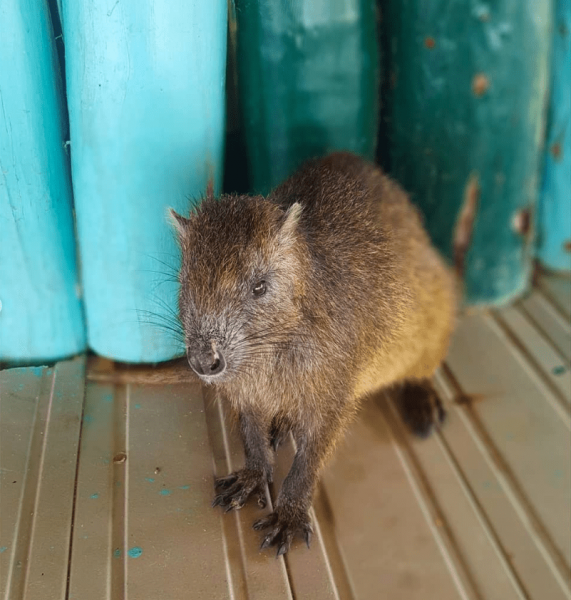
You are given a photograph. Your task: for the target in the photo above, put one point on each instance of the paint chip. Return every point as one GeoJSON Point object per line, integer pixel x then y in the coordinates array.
{"type": "Point", "coordinates": [556, 151]}
{"type": "Point", "coordinates": [465, 223]}
{"type": "Point", "coordinates": [480, 84]}
{"type": "Point", "coordinates": [429, 42]}
{"type": "Point", "coordinates": [521, 222]}
{"type": "Point", "coordinates": [165, 492]}
{"type": "Point", "coordinates": [135, 552]}
{"type": "Point", "coordinates": [94, 496]}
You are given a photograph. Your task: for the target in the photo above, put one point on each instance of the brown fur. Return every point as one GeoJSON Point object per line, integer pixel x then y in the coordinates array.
{"type": "Point", "coordinates": [357, 299]}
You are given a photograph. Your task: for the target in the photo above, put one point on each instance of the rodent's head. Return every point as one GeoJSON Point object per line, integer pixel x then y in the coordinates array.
{"type": "Point", "coordinates": [240, 284]}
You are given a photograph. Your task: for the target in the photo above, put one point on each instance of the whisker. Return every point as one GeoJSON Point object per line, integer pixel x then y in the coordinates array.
{"type": "Point", "coordinates": [162, 322]}
{"type": "Point", "coordinates": [162, 304]}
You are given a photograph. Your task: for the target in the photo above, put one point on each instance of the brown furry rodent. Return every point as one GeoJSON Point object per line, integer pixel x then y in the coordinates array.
{"type": "Point", "coordinates": [297, 305]}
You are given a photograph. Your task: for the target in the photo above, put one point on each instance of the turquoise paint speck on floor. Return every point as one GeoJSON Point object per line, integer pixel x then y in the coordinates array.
{"type": "Point", "coordinates": [94, 496]}
{"type": "Point", "coordinates": [165, 492]}
{"type": "Point", "coordinates": [135, 552]}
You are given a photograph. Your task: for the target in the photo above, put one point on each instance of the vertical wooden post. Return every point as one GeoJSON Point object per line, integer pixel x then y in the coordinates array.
{"type": "Point", "coordinates": [309, 79]}
{"type": "Point", "coordinates": [554, 215]}
{"type": "Point", "coordinates": [466, 108]}
{"type": "Point", "coordinates": [145, 83]}
{"type": "Point", "coordinates": [40, 310]}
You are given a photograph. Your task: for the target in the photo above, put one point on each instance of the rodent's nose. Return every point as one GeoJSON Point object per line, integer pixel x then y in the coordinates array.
{"type": "Point", "coordinates": [207, 364]}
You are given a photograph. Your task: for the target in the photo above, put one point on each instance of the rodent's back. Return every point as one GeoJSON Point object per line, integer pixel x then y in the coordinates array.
{"type": "Point", "coordinates": [376, 262]}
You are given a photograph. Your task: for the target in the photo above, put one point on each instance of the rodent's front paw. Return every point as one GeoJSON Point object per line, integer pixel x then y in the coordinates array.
{"type": "Point", "coordinates": [284, 526]}
{"type": "Point", "coordinates": [236, 488]}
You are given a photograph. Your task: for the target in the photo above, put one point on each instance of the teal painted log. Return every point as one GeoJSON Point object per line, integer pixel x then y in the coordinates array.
{"type": "Point", "coordinates": [554, 220]}
{"type": "Point", "coordinates": [145, 83]}
{"type": "Point", "coordinates": [309, 79]}
{"type": "Point", "coordinates": [469, 83]}
{"type": "Point", "coordinates": [40, 312]}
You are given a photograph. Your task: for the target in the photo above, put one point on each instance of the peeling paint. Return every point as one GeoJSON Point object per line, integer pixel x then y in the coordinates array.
{"type": "Point", "coordinates": [465, 223]}
{"type": "Point", "coordinates": [480, 84]}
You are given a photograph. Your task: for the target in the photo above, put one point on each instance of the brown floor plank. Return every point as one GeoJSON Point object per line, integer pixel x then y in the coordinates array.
{"type": "Point", "coordinates": [93, 561]}
{"type": "Point", "coordinates": [169, 489]}
{"type": "Point", "coordinates": [255, 575]}
{"type": "Point", "coordinates": [548, 320]}
{"type": "Point", "coordinates": [558, 289]}
{"type": "Point", "coordinates": [532, 444]}
{"type": "Point", "coordinates": [19, 393]}
{"type": "Point", "coordinates": [489, 570]}
{"type": "Point", "coordinates": [509, 529]}
{"type": "Point", "coordinates": [384, 538]}
{"type": "Point", "coordinates": [539, 356]}
{"type": "Point", "coordinates": [37, 564]}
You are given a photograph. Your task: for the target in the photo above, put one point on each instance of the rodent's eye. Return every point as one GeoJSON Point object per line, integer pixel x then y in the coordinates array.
{"type": "Point", "coordinates": [259, 289]}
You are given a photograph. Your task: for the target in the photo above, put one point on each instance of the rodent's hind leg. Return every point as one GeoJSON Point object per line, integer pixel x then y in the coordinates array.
{"type": "Point", "coordinates": [420, 406]}
{"type": "Point", "coordinates": [235, 489]}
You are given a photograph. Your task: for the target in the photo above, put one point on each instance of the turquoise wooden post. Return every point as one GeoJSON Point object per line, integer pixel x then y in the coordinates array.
{"type": "Point", "coordinates": [145, 83]}
{"type": "Point", "coordinates": [40, 310]}
{"type": "Point", "coordinates": [308, 75]}
{"type": "Point", "coordinates": [554, 220]}
{"type": "Point", "coordinates": [468, 90]}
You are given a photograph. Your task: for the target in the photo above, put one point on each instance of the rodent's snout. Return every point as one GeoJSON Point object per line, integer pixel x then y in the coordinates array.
{"type": "Point", "coordinates": [207, 363]}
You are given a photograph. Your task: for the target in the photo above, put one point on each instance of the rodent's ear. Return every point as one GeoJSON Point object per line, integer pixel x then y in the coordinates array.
{"type": "Point", "coordinates": [290, 221]}
{"type": "Point", "coordinates": [179, 222]}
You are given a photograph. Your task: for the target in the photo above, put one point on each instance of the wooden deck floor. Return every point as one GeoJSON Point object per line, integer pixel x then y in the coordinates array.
{"type": "Point", "coordinates": [106, 483]}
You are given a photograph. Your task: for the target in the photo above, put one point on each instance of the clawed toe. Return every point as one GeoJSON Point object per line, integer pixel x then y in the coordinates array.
{"type": "Point", "coordinates": [235, 489]}
{"type": "Point", "coordinates": [283, 531]}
